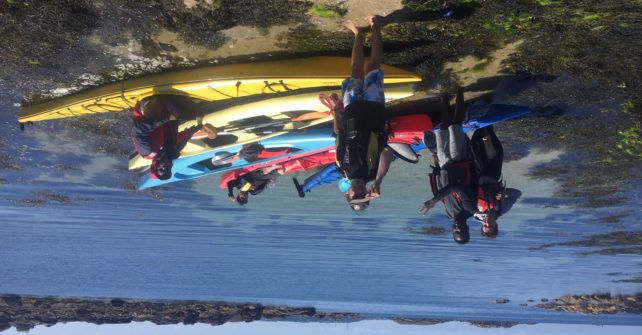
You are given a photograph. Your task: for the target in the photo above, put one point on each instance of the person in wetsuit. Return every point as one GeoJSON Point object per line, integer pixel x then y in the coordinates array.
{"type": "Point", "coordinates": [454, 179]}
{"type": "Point", "coordinates": [493, 198]}
{"type": "Point", "coordinates": [155, 132]}
{"type": "Point", "coordinates": [362, 152]}
{"type": "Point", "coordinates": [252, 183]}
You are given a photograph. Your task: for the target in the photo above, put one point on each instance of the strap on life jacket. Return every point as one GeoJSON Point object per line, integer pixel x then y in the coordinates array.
{"type": "Point", "coordinates": [467, 167]}
{"type": "Point", "coordinates": [484, 203]}
{"type": "Point", "coordinates": [137, 112]}
{"type": "Point", "coordinates": [486, 197]}
{"type": "Point", "coordinates": [433, 180]}
{"type": "Point", "coordinates": [246, 187]}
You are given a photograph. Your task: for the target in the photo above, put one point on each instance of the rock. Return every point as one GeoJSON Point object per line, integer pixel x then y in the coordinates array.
{"type": "Point", "coordinates": [191, 318]}
{"type": "Point", "coordinates": [500, 301]}
{"type": "Point", "coordinates": [4, 326]}
{"type": "Point", "coordinates": [12, 300]}
{"type": "Point", "coordinates": [117, 302]}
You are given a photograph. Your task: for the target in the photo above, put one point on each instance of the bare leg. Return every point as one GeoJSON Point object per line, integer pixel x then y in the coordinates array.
{"type": "Point", "coordinates": [385, 157]}
{"type": "Point", "coordinates": [446, 113]}
{"type": "Point", "coordinates": [376, 54]}
{"type": "Point", "coordinates": [458, 148]}
{"type": "Point", "coordinates": [357, 51]}
{"type": "Point", "coordinates": [460, 107]}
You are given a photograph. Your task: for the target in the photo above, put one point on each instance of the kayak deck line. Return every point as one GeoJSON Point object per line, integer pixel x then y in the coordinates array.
{"type": "Point", "coordinates": [281, 108]}
{"type": "Point", "coordinates": [211, 83]}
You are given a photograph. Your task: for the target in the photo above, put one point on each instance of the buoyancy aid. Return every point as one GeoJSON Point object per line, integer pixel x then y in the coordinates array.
{"type": "Point", "coordinates": [486, 197]}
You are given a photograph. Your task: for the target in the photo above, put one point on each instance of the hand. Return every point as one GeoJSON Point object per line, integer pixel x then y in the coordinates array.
{"type": "Point", "coordinates": [375, 190]}
{"type": "Point", "coordinates": [211, 131]}
{"type": "Point", "coordinates": [172, 117]}
{"type": "Point", "coordinates": [427, 206]}
{"type": "Point", "coordinates": [232, 197]}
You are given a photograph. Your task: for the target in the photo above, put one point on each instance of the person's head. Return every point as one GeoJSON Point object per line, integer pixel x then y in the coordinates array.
{"type": "Point", "coordinates": [161, 167]}
{"type": "Point", "coordinates": [360, 206]}
{"type": "Point", "coordinates": [489, 227]}
{"type": "Point", "coordinates": [461, 232]}
{"type": "Point", "coordinates": [357, 191]}
{"type": "Point", "coordinates": [241, 198]}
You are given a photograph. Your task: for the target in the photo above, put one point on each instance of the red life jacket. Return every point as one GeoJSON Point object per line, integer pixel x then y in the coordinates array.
{"type": "Point", "coordinates": [485, 200]}
{"type": "Point", "coordinates": [156, 138]}
{"type": "Point", "coordinates": [137, 113]}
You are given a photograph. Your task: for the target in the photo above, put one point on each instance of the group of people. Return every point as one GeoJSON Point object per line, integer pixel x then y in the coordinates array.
{"type": "Point", "coordinates": [466, 176]}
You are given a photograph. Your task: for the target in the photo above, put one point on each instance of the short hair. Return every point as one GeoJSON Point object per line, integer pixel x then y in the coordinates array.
{"type": "Point", "coordinates": [492, 232]}
{"type": "Point", "coordinates": [241, 201]}
{"type": "Point", "coordinates": [160, 170]}
{"type": "Point", "coordinates": [463, 236]}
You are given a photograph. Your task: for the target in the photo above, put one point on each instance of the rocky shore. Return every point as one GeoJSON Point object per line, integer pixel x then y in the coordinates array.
{"type": "Point", "coordinates": [597, 304]}
{"type": "Point", "coordinates": [26, 312]}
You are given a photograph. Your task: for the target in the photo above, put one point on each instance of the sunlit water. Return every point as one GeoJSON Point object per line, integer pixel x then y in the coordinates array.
{"type": "Point", "coordinates": [280, 249]}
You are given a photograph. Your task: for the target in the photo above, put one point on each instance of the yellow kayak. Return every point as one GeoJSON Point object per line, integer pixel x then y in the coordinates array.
{"type": "Point", "coordinates": [210, 83]}
{"type": "Point", "coordinates": [286, 110]}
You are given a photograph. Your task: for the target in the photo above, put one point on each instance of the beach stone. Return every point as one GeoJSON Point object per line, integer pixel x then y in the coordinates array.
{"type": "Point", "coordinates": [117, 302]}
{"type": "Point", "coordinates": [500, 301]}
{"type": "Point", "coordinates": [12, 300]}
{"type": "Point", "coordinates": [4, 326]}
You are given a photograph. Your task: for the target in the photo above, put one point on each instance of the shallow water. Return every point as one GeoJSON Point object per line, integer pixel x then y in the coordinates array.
{"type": "Point", "coordinates": [101, 240]}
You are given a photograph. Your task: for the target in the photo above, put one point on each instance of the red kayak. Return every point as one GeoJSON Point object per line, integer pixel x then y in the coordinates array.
{"type": "Point", "coordinates": [288, 164]}
{"type": "Point", "coordinates": [407, 129]}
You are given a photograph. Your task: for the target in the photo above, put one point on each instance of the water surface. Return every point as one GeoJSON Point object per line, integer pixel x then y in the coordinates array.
{"type": "Point", "coordinates": [71, 227]}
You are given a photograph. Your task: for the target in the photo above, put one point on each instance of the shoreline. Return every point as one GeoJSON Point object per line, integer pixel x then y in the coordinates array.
{"type": "Point", "coordinates": [25, 312]}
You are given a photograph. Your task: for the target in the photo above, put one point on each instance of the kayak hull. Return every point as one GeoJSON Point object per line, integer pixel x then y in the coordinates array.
{"type": "Point", "coordinates": [283, 108]}
{"type": "Point", "coordinates": [212, 83]}
{"type": "Point", "coordinates": [288, 164]}
{"type": "Point", "coordinates": [196, 166]}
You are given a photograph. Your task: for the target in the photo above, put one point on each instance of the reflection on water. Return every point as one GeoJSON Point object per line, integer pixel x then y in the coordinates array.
{"type": "Point", "coordinates": [314, 328]}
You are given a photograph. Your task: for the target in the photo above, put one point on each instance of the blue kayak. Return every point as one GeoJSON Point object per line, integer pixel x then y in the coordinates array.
{"type": "Point", "coordinates": [479, 116]}
{"type": "Point", "coordinates": [330, 173]}
{"type": "Point", "coordinates": [212, 162]}
{"type": "Point", "coordinates": [485, 115]}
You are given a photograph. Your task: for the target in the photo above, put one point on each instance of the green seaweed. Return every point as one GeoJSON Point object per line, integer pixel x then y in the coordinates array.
{"type": "Point", "coordinates": [631, 142]}
{"type": "Point", "coordinates": [589, 16]}
{"type": "Point", "coordinates": [481, 66]}
{"type": "Point", "coordinates": [321, 10]}
{"type": "Point", "coordinates": [545, 3]}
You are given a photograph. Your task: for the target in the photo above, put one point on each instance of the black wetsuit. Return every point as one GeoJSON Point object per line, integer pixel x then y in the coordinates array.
{"type": "Point", "coordinates": [361, 139]}
{"type": "Point", "coordinates": [488, 152]}
{"type": "Point", "coordinates": [255, 182]}
{"type": "Point", "coordinates": [456, 185]}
